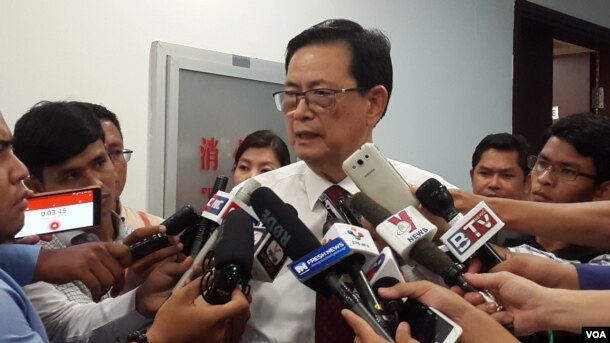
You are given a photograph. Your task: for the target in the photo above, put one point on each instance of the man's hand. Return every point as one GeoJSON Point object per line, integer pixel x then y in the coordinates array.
{"type": "Point", "coordinates": [187, 317]}
{"type": "Point", "coordinates": [475, 323]}
{"type": "Point", "coordinates": [98, 265]}
{"type": "Point", "coordinates": [140, 269]}
{"type": "Point", "coordinates": [365, 333]}
{"type": "Point", "coordinates": [523, 300]}
{"type": "Point", "coordinates": [236, 326]}
{"type": "Point", "coordinates": [158, 286]}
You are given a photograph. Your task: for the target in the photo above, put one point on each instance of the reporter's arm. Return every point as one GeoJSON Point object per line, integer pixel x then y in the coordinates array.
{"type": "Point", "coordinates": [540, 270]}
{"type": "Point", "coordinates": [19, 261]}
{"type": "Point", "coordinates": [585, 224]}
{"type": "Point", "coordinates": [74, 320]}
{"type": "Point", "coordinates": [593, 277]}
{"type": "Point", "coordinates": [18, 320]}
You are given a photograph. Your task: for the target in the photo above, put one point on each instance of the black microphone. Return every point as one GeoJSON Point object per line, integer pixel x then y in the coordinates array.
{"type": "Point", "coordinates": [353, 266]}
{"type": "Point", "coordinates": [297, 241]}
{"type": "Point", "coordinates": [233, 258]}
{"type": "Point", "coordinates": [435, 197]}
{"type": "Point", "coordinates": [423, 251]}
{"type": "Point", "coordinates": [205, 227]}
{"type": "Point", "coordinates": [176, 223]}
{"type": "Point", "coordinates": [242, 194]}
{"type": "Point", "coordinates": [391, 306]}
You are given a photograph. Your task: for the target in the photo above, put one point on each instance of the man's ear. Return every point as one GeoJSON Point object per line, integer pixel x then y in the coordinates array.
{"type": "Point", "coordinates": [378, 101]}
{"type": "Point", "coordinates": [34, 184]}
{"type": "Point", "coordinates": [603, 191]}
{"type": "Point", "coordinates": [471, 174]}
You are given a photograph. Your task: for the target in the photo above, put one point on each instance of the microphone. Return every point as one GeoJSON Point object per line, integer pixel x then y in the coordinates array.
{"type": "Point", "coordinates": [217, 208]}
{"type": "Point", "coordinates": [385, 266]}
{"type": "Point", "coordinates": [269, 256]}
{"type": "Point", "coordinates": [409, 234]}
{"type": "Point", "coordinates": [232, 259]}
{"type": "Point", "coordinates": [343, 213]}
{"type": "Point", "coordinates": [364, 253]}
{"type": "Point", "coordinates": [205, 227]}
{"type": "Point", "coordinates": [391, 306]}
{"type": "Point", "coordinates": [298, 241]}
{"type": "Point", "coordinates": [469, 233]}
{"type": "Point", "coordinates": [184, 218]}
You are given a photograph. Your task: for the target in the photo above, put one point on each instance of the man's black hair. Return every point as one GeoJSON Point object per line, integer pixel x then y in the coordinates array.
{"type": "Point", "coordinates": [51, 133]}
{"type": "Point", "coordinates": [504, 142]}
{"type": "Point", "coordinates": [589, 134]}
{"type": "Point", "coordinates": [371, 63]}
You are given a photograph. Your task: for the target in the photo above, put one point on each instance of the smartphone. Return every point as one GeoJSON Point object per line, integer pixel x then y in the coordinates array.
{"type": "Point", "coordinates": [428, 325]}
{"type": "Point", "coordinates": [376, 177]}
{"type": "Point", "coordinates": [61, 211]}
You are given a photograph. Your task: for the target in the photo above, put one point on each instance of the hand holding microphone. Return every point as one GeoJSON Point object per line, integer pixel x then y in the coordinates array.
{"type": "Point", "coordinates": [468, 231]}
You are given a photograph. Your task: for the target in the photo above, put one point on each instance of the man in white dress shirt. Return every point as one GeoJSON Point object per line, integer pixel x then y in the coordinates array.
{"type": "Point", "coordinates": [338, 82]}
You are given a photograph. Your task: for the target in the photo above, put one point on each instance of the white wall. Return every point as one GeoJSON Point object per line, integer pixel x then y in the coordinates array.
{"type": "Point", "coordinates": [452, 60]}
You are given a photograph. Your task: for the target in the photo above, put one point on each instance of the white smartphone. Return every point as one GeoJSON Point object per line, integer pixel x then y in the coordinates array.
{"type": "Point", "coordinates": [62, 211]}
{"type": "Point", "coordinates": [428, 325]}
{"type": "Point", "coordinates": [376, 177]}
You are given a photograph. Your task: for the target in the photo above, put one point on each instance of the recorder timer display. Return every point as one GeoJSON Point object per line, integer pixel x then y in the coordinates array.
{"type": "Point", "coordinates": [58, 212]}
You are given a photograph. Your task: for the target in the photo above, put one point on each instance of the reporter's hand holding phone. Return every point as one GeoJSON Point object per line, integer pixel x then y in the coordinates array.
{"type": "Point", "coordinates": [100, 266]}
{"type": "Point", "coordinates": [187, 317]}
{"type": "Point", "coordinates": [141, 268]}
{"type": "Point", "coordinates": [476, 324]}
{"type": "Point", "coordinates": [365, 333]}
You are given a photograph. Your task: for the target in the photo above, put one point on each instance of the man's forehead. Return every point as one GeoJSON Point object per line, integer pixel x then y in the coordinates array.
{"type": "Point", "coordinates": [319, 64]}
{"type": "Point", "coordinates": [494, 155]}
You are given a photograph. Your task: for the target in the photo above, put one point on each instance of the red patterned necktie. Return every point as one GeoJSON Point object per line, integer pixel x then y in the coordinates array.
{"type": "Point", "coordinates": [330, 325]}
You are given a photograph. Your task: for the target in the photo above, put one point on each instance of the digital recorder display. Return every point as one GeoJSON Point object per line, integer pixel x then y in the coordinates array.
{"type": "Point", "coordinates": [58, 212]}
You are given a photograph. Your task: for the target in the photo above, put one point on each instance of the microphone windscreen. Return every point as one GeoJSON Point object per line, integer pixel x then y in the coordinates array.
{"type": "Point", "coordinates": [245, 192]}
{"type": "Point", "coordinates": [236, 244]}
{"type": "Point", "coordinates": [384, 282]}
{"type": "Point", "coordinates": [283, 224]}
{"type": "Point", "coordinates": [426, 253]}
{"type": "Point", "coordinates": [370, 209]}
{"type": "Point", "coordinates": [220, 184]}
{"type": "Point", "coordinates": [435, 197]}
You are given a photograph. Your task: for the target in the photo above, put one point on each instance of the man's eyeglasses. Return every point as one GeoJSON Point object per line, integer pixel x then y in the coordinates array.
{"type": "Point", "coordinates": [541, 165]}
{"type": "Point", "coordinates": [319, 100]}
{"type": "Point", "coordinates": [119, 156]}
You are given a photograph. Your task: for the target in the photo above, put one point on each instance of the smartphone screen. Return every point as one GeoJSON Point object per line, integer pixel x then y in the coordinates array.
{"type": "Point", "coordinates": [428, 325]}
{"type": "Point", "coordinates": [61, 211]}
